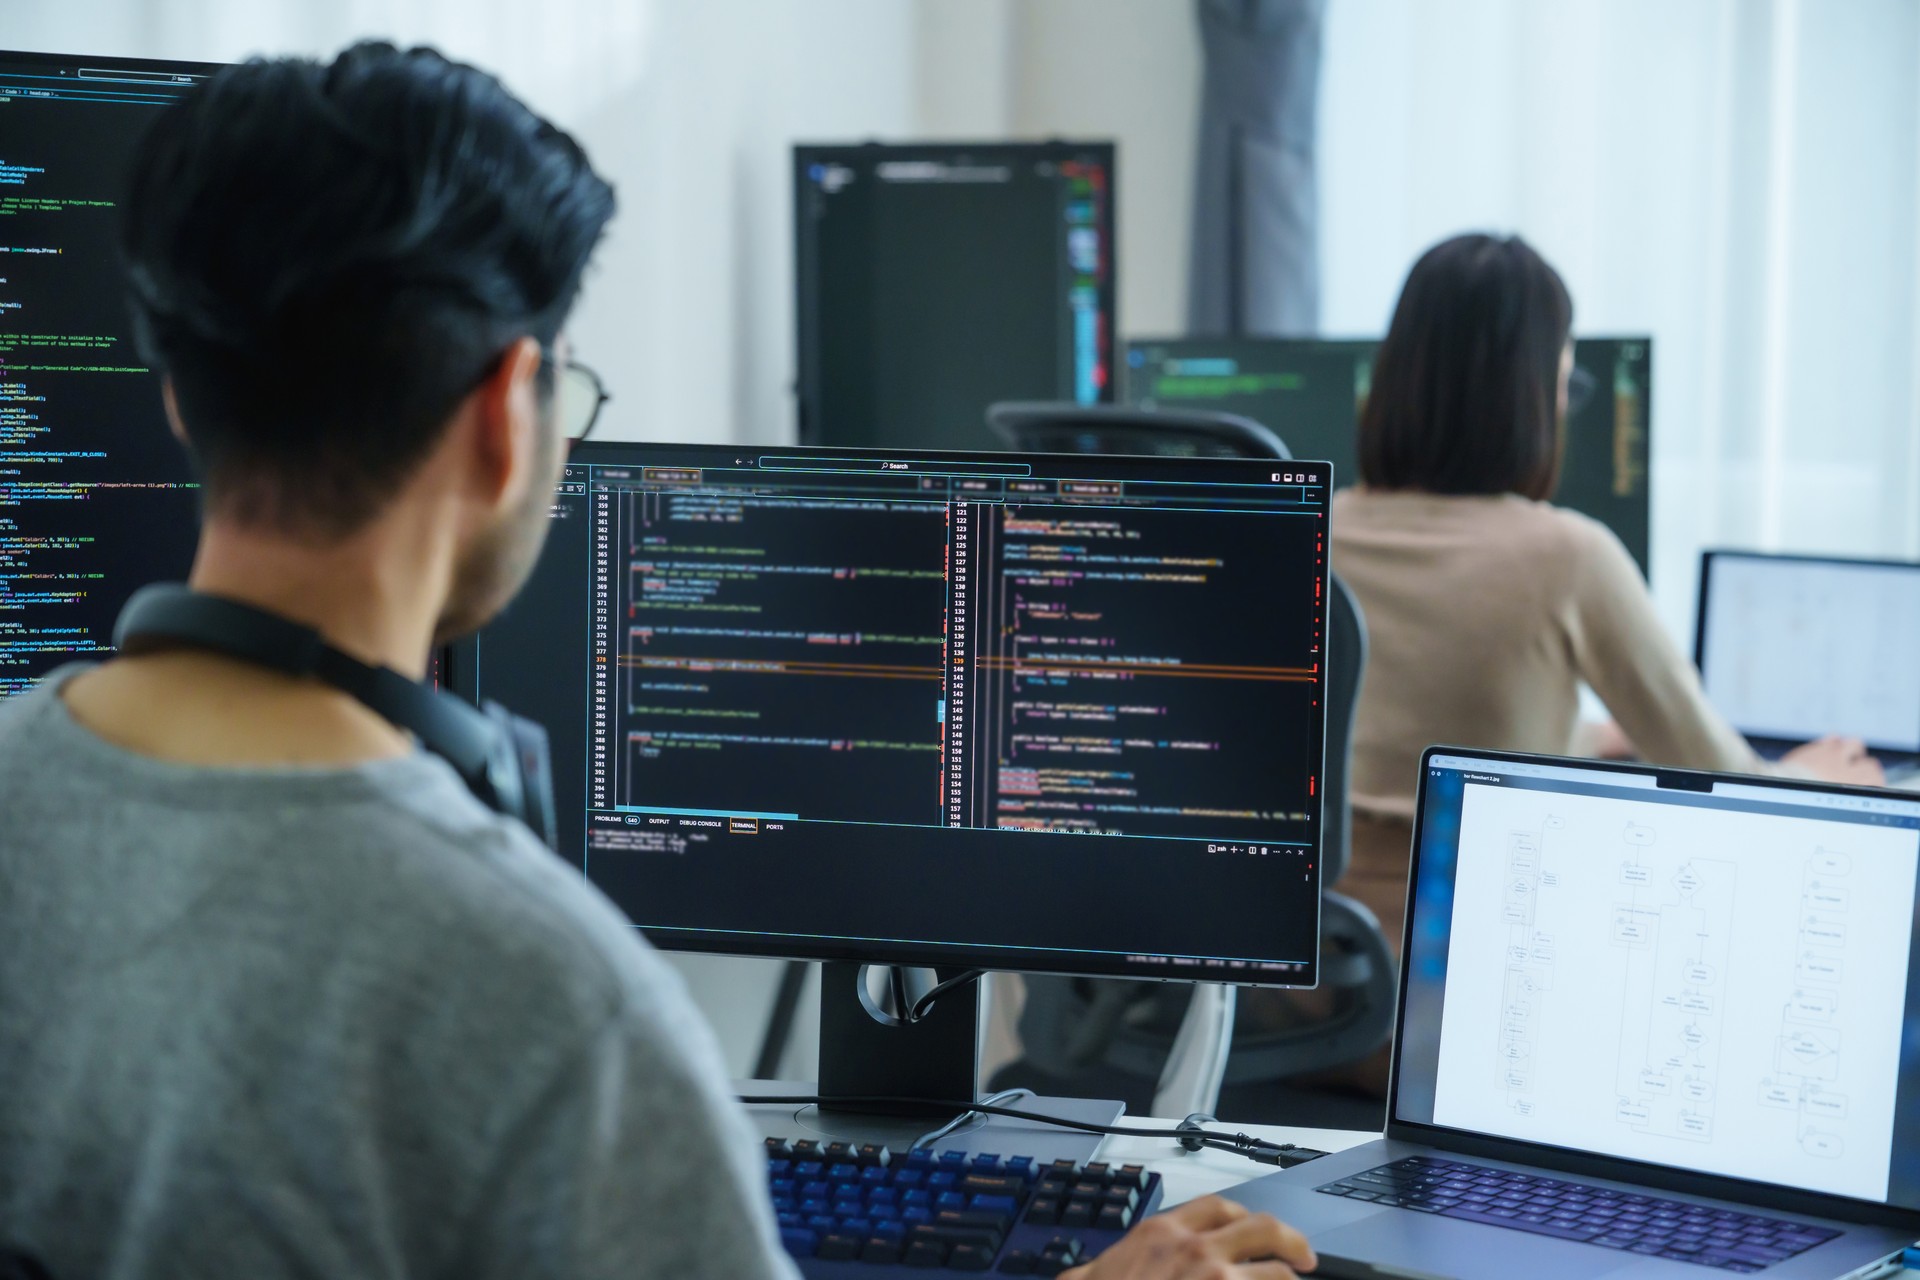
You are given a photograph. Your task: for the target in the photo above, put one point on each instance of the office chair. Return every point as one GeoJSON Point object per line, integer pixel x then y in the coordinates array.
{"type": "Point", "coordinates": [1107, 1037]}
{"type": "Point", "coordinates": [1042, 426]}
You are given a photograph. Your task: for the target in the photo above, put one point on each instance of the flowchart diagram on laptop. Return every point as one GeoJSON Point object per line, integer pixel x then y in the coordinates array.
{"type": "Point", "coordinates": [1713, 988]}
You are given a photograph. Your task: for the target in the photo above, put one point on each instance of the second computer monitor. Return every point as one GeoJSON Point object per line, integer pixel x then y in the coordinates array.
{"type": "Point", "coordinates": [96, 496]}
{"type": "Point", "coordinates": [934, 280]}
{"type": "Point", "coordinates": [995, 710]}
{"type": "Point", "coordinates": [1310, 392]}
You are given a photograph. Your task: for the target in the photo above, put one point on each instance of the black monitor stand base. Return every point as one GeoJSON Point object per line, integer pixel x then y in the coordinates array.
{"type": "Point", "coordinates": [867, 1053]}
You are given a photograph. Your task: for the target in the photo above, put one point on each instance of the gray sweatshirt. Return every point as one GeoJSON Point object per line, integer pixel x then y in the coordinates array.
{"type": "Point", "coordinates": [341, 1022]}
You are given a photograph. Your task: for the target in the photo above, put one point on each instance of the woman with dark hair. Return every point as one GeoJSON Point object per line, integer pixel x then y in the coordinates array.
{"type": "Point", "coordinates": [1486, 607]}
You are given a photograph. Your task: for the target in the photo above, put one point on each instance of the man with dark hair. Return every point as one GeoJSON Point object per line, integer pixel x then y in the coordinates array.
{"type": "Point", "coordinates": [278, 995]}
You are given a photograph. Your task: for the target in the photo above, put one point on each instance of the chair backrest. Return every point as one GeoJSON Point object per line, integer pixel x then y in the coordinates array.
{"type": "Point", "coordinates": [1043, 426]}
{"type": "Point", "coordinates": [1346, 668]}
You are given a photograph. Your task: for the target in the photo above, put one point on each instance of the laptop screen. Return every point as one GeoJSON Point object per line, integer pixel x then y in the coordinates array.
{"type": "Point", "coordinates": [1769, 632]}
{"type": "Point", "coordinates": [1711, 981]}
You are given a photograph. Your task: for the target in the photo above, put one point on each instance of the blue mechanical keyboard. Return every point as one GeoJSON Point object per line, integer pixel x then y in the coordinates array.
{"type": "Point", "coordinates": [1723, 1238]}
{"type": "Point", "coordinates": [865, 1211]}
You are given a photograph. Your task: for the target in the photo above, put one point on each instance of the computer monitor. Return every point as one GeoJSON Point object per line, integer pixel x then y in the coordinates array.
{"type": "Point", "coordinates": [1310, 393]}
{"type": "Point", "coordinates": [96, 499]}
{"type": "Point", "coordinates": [993, 711]}
{"type": "Point", "coordinates": [935, 280]}
{"type": "Point", "coordinates": [1794, 647]}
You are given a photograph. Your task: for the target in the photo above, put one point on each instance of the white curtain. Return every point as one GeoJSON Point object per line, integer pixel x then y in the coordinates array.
{"type": "Point", "coordinates": [1739, 178]}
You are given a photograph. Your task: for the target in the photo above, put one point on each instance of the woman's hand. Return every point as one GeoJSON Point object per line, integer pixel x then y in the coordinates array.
{"type": "Point", "coordinates": [1842, 760]}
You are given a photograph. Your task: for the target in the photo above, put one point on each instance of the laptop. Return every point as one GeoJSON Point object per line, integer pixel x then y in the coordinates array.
{"type": "Point", "coordinates": [1794, 647]}
{"type": "Point", "coordinates": [1651, 1023]}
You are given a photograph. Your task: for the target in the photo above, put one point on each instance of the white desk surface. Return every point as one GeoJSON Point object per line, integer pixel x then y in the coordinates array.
{"type": "Point", "coordinates": [1189, 1174]}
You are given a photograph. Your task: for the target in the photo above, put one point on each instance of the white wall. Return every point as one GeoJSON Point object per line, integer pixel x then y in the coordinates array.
{"type": "Point", "coordinates": [1736, 177]}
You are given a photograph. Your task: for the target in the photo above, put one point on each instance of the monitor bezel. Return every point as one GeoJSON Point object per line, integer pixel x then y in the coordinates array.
{"type": "Point", "coordinates": [806, 251]}
{"type": "Point", "coordinates": [461, 679]}
{"type": "Point", "coordinates": [203, 70]}
{"type": "Point", "coordinates": [1573, 1160]}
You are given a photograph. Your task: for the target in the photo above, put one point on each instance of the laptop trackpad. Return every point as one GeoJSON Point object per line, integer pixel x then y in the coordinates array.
{"type": "Point", "coordinates": [1427, 1246]}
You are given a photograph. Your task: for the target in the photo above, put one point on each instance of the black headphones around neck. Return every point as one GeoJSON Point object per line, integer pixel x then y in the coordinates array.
{"type": "Point", "coordinates": [503, 758]}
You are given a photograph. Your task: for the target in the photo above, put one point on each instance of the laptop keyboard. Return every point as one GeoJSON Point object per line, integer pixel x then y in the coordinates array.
{"type": "Point", "coordinates": [1612, 1219]}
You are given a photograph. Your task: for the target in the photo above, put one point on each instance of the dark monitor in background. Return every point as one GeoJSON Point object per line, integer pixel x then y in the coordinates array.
{"type": "Point", "coordinates": [1309, 393]}
{"type": "Point", "coordinates": [96, 498]}
{"type": "Point", "coordinates": [934, 280]}
{"type": "Point", "coordinates": [992, 711]}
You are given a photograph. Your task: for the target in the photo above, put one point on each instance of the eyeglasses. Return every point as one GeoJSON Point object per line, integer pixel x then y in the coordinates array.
{"type": "Point", "coordinates": [578, 395]}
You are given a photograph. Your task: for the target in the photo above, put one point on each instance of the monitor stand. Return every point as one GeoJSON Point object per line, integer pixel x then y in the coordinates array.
{"type": "Point", "coordinates": [867, 1052]}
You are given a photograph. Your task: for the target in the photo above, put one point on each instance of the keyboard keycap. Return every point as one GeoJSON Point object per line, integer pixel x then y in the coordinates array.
{"type": "Point", "coordinates": [1003, 1205]}
{"type": "Point", "coordinates": [970, 1257]}
{"type": "Point", "coordinates": [840, 1247]}
{"type": "Point", "coordinates": [925, 1253]}
{"type": "Point", "coordinates": [980, 1184]}
{"type": "Point", "coordinates": [1520, 1224]}
{"type": "Point", "coordinates": [948, 1237]}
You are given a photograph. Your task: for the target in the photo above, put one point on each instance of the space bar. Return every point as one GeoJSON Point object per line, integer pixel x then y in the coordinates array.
{"type": "Point", "coordinates": [1538, 1228]}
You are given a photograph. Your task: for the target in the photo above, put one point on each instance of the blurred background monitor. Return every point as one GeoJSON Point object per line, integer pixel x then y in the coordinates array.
{"type": "Point", "coordinates": [1309, 392]}
{"type": "Point", "coordinates": [934, 280]}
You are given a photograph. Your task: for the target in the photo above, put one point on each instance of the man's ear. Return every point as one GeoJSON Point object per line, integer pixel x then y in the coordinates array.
{"type": "Point", "coordinates": [506, 423]}
{"type": "Point", "coordinates": [172, 403]}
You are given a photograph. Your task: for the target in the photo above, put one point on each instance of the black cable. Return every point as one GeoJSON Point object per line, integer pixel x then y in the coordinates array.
{"type": "Point", "coordinates": [1241, 1144]}
{"type": "Point", "coordinates": [925, 1002]}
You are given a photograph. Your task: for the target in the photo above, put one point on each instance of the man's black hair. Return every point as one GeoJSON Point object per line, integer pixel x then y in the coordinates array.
{"type": "Point", "coordinates": [1465, 394]}
{"type": "Point", "coordinates": [326, 258]}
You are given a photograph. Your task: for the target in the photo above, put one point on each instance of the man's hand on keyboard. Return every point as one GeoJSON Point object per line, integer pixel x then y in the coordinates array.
{"type": "Point", "coordinates": [1206, 1239]}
